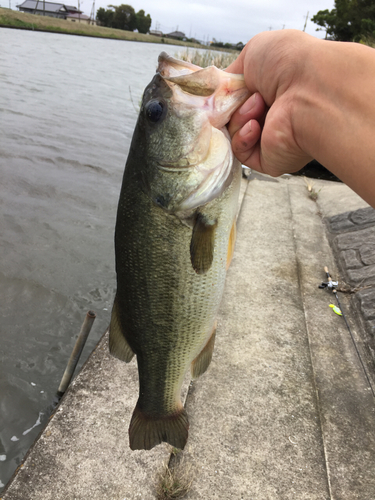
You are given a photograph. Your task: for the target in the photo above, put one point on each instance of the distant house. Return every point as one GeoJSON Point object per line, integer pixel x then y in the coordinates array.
{"type": "Point", "coordinates": [51, 9]}
{"type": "Point", "coordinates": [178, 35]}
{"type": "Point", "coordinates": [79, 18]}
{"type": "Point", "coordinates": [156, 32]}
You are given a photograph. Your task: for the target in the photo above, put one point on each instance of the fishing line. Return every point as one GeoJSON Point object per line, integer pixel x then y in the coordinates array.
{"type": "Point", "coordinates": [331, 285]}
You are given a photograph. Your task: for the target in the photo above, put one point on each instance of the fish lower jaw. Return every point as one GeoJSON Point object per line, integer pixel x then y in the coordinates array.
{"type": "Point", "coordinates": [214, 182]}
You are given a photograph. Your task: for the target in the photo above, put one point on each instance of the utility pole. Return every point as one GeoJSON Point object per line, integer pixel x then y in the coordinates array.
{"type": "Point", "coordinates": [36, 6]}
{"type": "Point", "coordinates": [307, 15]}
{"type": "Point", "coordinates": [92, 15]}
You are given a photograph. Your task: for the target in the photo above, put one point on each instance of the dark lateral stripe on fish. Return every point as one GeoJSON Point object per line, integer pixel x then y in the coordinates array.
{"type": "Point", "coordinates": [146, 432]}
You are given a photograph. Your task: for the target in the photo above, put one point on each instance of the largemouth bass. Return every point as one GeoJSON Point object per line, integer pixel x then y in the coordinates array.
{"type": "Point", "coordinates": [174, 239]}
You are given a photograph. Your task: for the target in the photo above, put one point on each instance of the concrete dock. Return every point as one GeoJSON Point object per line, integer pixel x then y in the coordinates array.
{"type": "Point", "coordinates": [286, 409]}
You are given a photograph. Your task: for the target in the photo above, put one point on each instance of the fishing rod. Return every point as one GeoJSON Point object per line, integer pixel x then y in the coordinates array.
{"type": "Point", "coordinates": [332, 286]}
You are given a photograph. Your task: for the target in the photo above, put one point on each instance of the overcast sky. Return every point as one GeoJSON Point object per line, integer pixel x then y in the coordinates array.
{"type": "Point", "coordinates": [226, 20]}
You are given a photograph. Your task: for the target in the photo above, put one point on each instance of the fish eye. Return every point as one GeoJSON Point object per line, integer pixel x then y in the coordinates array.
{"type": "Point", "coordinates": [154, 111]}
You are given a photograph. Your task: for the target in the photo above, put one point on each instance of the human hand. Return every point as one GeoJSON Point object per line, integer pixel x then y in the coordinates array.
{"type": "Point", "coordinates": [263, 129]}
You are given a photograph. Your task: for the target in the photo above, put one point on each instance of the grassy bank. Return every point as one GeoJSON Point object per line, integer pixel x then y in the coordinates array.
{"type": "Point", "coordinates": [207, 58]}
{"type": "Point", "coordinates": [20, 20]}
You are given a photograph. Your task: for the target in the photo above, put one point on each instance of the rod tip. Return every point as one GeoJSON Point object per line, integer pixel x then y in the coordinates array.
{"type": "Point", "coordinates": [91, 314]}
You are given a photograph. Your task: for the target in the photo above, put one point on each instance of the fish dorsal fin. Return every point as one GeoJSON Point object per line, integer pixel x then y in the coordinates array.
{"type": "Point", "coordinates": [203, 360]}
{"type": "Point", "coordinates": [118, 345]}
{"type": "Point", "coordinates": [232, 242]}
{"type": "Point", "coordinates": [202, 244]}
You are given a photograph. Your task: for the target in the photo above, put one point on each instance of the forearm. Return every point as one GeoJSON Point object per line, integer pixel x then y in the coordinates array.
{"type": "Point", "coordinates": [333, 114]}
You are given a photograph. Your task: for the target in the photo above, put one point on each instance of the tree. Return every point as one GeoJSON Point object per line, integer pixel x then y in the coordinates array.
{"type": "Point", "coordinates": [124, 17]}
{"type": "Point", "coordinates": [326, 19]}
{"type": "Point", "coordinates": [105, 17]}
{"type": "Point", "coordinates": [143, 22]}
{"type": "Point", "coordinates": [350, 20]}
{"type": "Point", "coordinates": [100, 15]}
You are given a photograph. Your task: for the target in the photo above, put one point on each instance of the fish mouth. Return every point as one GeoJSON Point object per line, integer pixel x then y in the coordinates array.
{"type": "Point", "coordinates": [168, 66]}
{"type": "Point", "coordinates": [213, 90]}
{"type": "Point", "coordinates": [213, 93]}
{"type": "Point", "coordinates": [215, 172]}
{"type": "Point", "coordinates": [207, 178]}
{"type": "Point", "coordinates": [202, 100]}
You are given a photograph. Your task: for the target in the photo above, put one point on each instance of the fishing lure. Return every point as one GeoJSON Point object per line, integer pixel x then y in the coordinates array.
{"type": "Point", "coordinates": [336, 309]}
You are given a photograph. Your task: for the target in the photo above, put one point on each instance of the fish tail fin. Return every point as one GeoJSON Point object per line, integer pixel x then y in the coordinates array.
{"type": "Point", "coordinates": [145, 432]}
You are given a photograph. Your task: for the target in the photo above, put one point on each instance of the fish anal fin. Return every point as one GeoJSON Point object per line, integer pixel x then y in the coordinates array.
{"type": "Point", "coordinates": [118, 346]}
{"type": "Point", "coordinates": [203, 360]}
{"type": "Point", "coordinates": [145, 432]}
{"type": "Point", "coordinates": [231, 244]}
{"type": "Point", "coordinates": [202, 244]}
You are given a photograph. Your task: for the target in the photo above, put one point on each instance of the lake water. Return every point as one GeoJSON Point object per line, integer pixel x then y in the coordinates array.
{"type": "Point", "coordinates": [66, 121]}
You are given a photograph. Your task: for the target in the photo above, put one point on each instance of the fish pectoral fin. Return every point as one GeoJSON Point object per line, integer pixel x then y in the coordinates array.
{"type": "Point", "coordinates": [202, 244]}
{"type": "Point", "coordinates": [232, 242]}
{"type": "Point", "coordinates": [145, 432]}
{"type": "Point", "coordinates": [203, 360]}
{"type": "Point", "coordinates": [118, 345]}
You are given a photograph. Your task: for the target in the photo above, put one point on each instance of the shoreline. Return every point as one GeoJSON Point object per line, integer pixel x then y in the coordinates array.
{"type": "Point", "coordinates": [31, 22]}
{"type": "Point", "coordinates": [91, 35]}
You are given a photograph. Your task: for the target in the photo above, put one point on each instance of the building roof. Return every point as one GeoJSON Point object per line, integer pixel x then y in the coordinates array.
{"type": "Point", "coordinates": [77, 15]}
{"type": "Point", "coordinates": [176, 34]}
{"type": "Point", "coordinates": [47, 6]}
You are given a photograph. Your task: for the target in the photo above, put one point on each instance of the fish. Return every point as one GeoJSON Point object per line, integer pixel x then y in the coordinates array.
{"type": "Point", "coordinates": [174, 239]}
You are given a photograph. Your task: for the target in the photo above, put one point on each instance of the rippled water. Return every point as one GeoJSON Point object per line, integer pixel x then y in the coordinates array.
{"type": "Point", "coordinates": [66, 120]}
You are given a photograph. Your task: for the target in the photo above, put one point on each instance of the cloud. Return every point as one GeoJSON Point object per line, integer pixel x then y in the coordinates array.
{"type": "Point", "coordinates": [226, 20]}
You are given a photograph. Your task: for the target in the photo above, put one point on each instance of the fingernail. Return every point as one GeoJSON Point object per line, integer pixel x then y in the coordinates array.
{"type": "Point", "coordinates": [248, 105]}
{"type": "Point", "coordinates": [246, 129]}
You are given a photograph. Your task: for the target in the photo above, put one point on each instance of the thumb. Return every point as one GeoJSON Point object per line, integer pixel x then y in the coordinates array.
{"type": "Point", "coordinates": [236, 66]}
